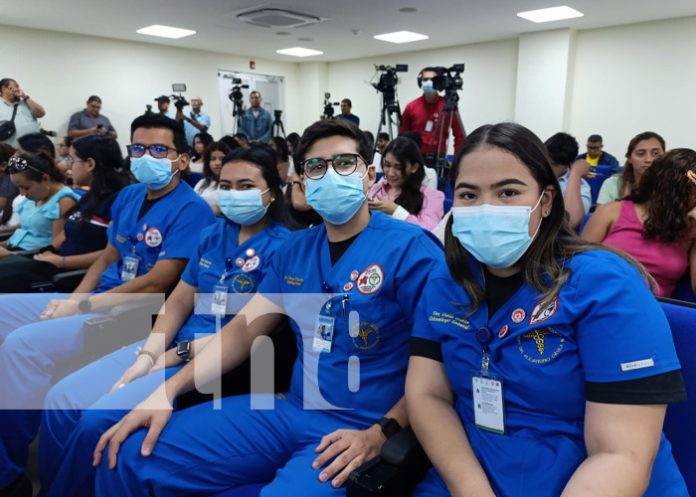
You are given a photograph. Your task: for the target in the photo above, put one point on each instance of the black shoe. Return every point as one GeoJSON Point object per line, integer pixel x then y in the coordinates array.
{"type": "Point", "coordinates": [20, 488]}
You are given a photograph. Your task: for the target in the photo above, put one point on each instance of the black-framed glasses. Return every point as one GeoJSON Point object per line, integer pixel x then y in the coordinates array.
{"type": "Point", "coordinates": [343, 164]}
{"type": "Point", "coordinates": [158, 151]}
{"type": "Point", "coordinates": [18, 164]}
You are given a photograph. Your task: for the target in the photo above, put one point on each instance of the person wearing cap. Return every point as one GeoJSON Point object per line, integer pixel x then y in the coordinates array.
{"type": "Point", "coordinates": [163, 107]}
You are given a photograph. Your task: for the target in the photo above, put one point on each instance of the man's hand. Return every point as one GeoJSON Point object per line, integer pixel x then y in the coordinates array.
{"type": "Point", "coordinates": [153, 413]}
{"type": "Point", "coordinates": [180, 116]}
{"type": "Point", "coordinates": [384, 205]}
{"type": "Point", "coordinates": [59, 309]}
{"type": "Point", "coordinates": [583, 169]}
{"type": "Point", "coordinates": [349, 449]}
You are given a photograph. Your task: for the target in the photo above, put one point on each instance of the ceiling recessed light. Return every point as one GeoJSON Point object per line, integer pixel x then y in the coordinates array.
{"type": "Point", "coordinates": [282, 33]}
{"type": "Point", "coordinates": [299, 52]}
{"type": "Point", "coordinates": [305, 39]}
{"type": "Point", "coordinates": [401, 37]}
{"type": "Point", "coordinates": [408, 10]}
{"type": "Point", "coordinates": [165, 31]}
{"type": "Point", "coordinates": [550, 14]}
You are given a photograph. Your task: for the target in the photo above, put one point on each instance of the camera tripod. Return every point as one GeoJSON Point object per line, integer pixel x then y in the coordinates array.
{"type": "Point", "coordinates": [278, 128]}
{"type": "Point", "coordinates": [390, 115]}
{"type": "Point", "coordinates": [447, 117]}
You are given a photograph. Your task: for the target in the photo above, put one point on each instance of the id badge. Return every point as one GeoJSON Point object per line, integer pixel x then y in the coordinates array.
{"type": "Point", "coordinates": [219, 304]}
{"type": "Point", "coordinates": [323, 333]}
{"type": "Point", "coordinates": [129, 270]}
{"type": "Point", "coordinates": [488, 404]}
{"type": "Point", "coordinates": [428, 126]}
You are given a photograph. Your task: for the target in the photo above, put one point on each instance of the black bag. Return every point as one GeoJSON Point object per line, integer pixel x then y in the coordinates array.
{"type": "Point", "coordinates": [7, 128]}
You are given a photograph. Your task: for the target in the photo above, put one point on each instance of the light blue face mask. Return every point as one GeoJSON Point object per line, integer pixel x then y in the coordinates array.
{"type": "Point", "coordinates": [427, 87]}
{"type": "Point", "coordinates": [336, 198]}
{"type": "Point", "coordinates": [495, 235]}
{"type": "Point", "coordinates": [153, 173]}
{"type": "Point", "coordinates": [243, 207]}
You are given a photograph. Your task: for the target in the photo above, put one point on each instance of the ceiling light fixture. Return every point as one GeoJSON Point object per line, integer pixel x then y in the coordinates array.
{"type": "Point", "coordinates": [401, 37]}
{"type": "Point", "coordinates": [165, 31]}
{"type": "Point", "coordinates": [299, 52]}
{"type": "Point", "coordinates": [550, 14]}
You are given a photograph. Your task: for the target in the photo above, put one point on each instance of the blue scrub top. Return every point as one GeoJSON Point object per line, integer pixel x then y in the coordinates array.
{"type": "Point", "coordinates": [381, 275]}
{"type": "Point", "coordinates": [169, 230]}
{"type": "Point", "coordinates": [605, 326]}
{"type": "Point", "coordinates": [217, 254]}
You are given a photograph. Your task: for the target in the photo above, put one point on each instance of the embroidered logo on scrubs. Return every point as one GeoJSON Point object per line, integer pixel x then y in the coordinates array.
{"type": "Point", "coordinates": [540, 346]}
{"type": "Point", "coordinates": [251, 264]}
{"type": "Point", "coordinates": [204, 263]}
{"type": "Point", "coordinates": [540, 314]}
{"type": "Point", "coordinates": [120, 239]}
{"type": "Point", "coordinates": [153, 237]}
{"type": "Point", "coordinates": [366, 337]}
{"type": "Point", "coordinates": [242, 283]}
{"type": "Point", "coordinates": [371, 279]}
{"type": "Point", "coordinates": [293, 280]}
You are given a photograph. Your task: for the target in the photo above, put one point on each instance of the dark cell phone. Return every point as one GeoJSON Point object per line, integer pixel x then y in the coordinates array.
{"type": "Point", "coordinates": [593, 169]}
{"type": "Point", "coordinates": [100, 126]}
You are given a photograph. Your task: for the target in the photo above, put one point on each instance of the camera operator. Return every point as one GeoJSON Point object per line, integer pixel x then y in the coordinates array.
{"type": "Point", "coordinates": [346, 106]}
{"type": "Point", "coordinates": [423, 115]}
{"type": "Point", "coordinates": [25, 109]}
{"type": "Point", "coordinates": [194, 120]}
{"type": "Point", "coordinates": [163, 107]}
{"type": "Point", "coordinates": [90, 122]}
{"type": "Point", "coordinates": [256, 122]}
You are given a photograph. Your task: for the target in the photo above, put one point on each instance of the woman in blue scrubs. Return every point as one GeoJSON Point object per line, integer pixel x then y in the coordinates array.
{"type": "Point", "coordinates": [232, 257]}
{"type": "Point", "coordinates": [541, 365]}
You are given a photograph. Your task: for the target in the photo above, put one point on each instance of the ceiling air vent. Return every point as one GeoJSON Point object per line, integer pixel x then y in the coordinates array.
{"type": "Point", "coordinates": [277, 18]}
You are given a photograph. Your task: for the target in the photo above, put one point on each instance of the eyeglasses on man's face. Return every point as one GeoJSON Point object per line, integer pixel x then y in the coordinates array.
{"type": "Point", "coordinates": [158, 150]}
{"type": "Point", "coordinates": [343, 164]}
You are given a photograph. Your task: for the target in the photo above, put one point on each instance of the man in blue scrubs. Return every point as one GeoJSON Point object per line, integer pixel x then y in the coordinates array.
{"type": "Point", "coordinates": [350, 287]}
{"type": "Point", "coordinates": [154, 231]}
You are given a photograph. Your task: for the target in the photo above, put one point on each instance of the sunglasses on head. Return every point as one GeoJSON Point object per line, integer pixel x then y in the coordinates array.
{"type": "Point", "coordinates": [18, 164]}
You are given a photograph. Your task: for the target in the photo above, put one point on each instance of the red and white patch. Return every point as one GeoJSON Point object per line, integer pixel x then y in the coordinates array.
{"type": "Point", "coordinates": [371, 279]}
{"type": "Point", "coordinates": [239, 262]}
{"type": "Point", "coordinates": [503, 331]}
{"type": "Point", "coordinates": [140, 237]}
{"type": "Point", "coordinates": [348, 287]}
{"type": "Point", "coordinates": [251, 264]}
{"type": "Point", "coordinates": [540, 314]}
{"type": "Point", "coordinates": [518, 315]}
{"type": "Point", "coordinates": [354, 275]}
{"type": "Point", "coordinates": [153, 238]}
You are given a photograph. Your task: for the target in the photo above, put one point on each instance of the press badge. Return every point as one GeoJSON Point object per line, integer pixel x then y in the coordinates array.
{"type": "Point", "coordinates": [219, 304]}
{"type": "Point", "coordinates": [428, 126]}
{"type": "Point", "coordinates": [323, 333]}
{"type": "Point", "coordinates": [129, 270]}
{"type": "Point", "coordinates": [488, 404]}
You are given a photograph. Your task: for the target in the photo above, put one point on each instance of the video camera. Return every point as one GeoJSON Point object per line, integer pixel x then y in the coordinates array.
{"type": "Point", "coordinates": [449, 79]}
{"type": "Point", "coordinates": [179, 100]}
{"type": "Point", "coordinates": [236, 95]}
{"type": "Point", "coordinates": [388, 79]}
{"type": "Point", "coordinates": [329, 106]}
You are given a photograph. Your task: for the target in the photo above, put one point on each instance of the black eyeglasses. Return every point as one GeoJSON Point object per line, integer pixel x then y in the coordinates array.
{"type": "Point", "coordinates": [158, 151]}
{"type": "Point", "coordinates": [343, 164]}
{"type": "Point", "coordinates": [18, 164]}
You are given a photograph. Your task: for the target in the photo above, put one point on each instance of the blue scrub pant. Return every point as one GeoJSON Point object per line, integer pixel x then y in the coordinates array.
{"type": "Point", "coordinates": [203, 451]}
{"type": "Point", "coordinates": [78, 410]}
{"type": "Point", "coordinates": [32, 352]}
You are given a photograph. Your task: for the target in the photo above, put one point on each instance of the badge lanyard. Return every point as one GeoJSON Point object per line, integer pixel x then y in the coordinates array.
{"type": "Point", "coordinates": [487, 390]}
{"type": "Point", "coordinates": [219, 304]}
{"type": "Point", "coordinates": [129, 270]}
{"type": "Point", "coordinates": [325, 323]}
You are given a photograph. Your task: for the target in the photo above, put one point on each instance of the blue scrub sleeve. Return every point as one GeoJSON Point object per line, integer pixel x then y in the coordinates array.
{"type": "Point", "coordinates": [622, 332]}
{"type": "Point", "coordinates": [178, 242]}
{"type": "Point", "coordinates": [272, 282]}
{"type": "Point", "coordinates": [421, 259]}
{"type": "Point", "coordinates": [190, 274]}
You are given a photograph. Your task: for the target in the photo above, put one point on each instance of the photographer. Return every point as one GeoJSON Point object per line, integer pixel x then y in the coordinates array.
{"type": "Point", "coordinates": [423, 116]}
{"type": "Point", "coordinates": [163, 107]}
{"type": "Point", "coordinates": [194, 121]}
{"type": "Point", "coordinates": [90, 122]}
{"type": "Point", "coordinates": [19, 108]}
{"type": "Point", "coordinates": [346, 112]}
{"type": "Point", "coordinates": [256, 122]}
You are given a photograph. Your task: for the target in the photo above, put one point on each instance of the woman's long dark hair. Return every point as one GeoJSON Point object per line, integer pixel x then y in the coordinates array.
{"type": "Point", "coordinates": [407, 152]}
{"type": "Point", "coordinates": [627, 181]}
{"type": "Point", "coordinates": [107, 177]}
{"type": "Point", "coordinates": [668, 196]}
{"type": "Point", "coordinates": [205, 139]}
{"type": "Point", "coordinates": [545, 259]}
{"type": "Point", "coordinates": [262, 156]}
{"type": "Point", "coordinates": [208, 175]}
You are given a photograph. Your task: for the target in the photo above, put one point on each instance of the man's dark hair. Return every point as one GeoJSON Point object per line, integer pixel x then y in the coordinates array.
{"type": "Point", "coordinates": [36, 142]}
{"type": "Point", "coordinates": [347, 101]}
{"type": "Point", "coordinates": [240, 135]}
{"type": "Point", "coordinates": [5, 82]}
{"type": "Point", "coordinates": [332, 127]}
{"type": "Point", "coordinates": [93, 98]}
{"type": "Point", "coordinates": [152, 121]}
{"type": "Point", "coordinates": [412, 135]}
{"type": "Point", "coordinates": [384, 136]}
{"type": "Point", "coordinates": [562, 148]}
{"type": "Point", "coordinates": [595, 139]}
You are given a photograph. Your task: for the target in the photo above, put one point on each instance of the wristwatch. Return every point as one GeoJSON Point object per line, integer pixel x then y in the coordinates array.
{"type": "Point", "coordinates": [389, 427]}
{"type": "Point", "coordinates": [183, 350]}
{"type": "Point", "coordinates": [85, 306]}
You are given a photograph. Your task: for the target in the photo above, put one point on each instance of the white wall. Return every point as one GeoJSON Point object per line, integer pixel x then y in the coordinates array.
{"type": "Point", "coordinates": [61, 70]}
{"type": "Point", "coordinates": [633, 78]}
{"type": "Point", "coordinates": [488, 93]}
